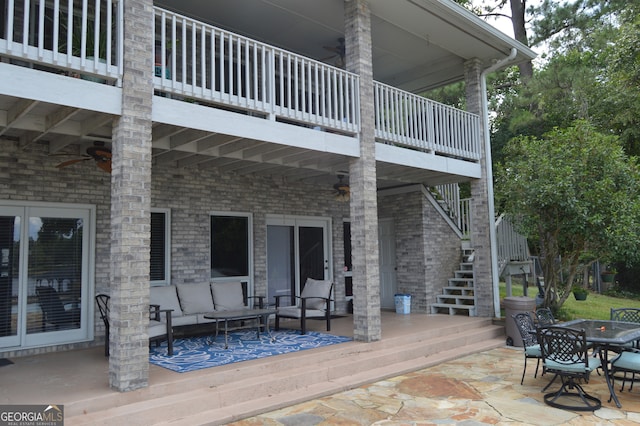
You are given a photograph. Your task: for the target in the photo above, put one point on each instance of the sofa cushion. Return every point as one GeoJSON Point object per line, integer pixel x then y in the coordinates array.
{"type": "Point", "coordinates": [195, 298]}
{"type": "Point", "coordinates": [316, 288]}
{"type": "Point", "coordinates": [167, 298]}
{"type": "Point", "coordinates": [227, 296]}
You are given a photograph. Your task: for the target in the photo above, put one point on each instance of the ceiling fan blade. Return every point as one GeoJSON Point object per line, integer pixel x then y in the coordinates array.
{"type": "Point", "coordinates": [70, 162]}
{"type": "Point", "coordinates": [104, 165]}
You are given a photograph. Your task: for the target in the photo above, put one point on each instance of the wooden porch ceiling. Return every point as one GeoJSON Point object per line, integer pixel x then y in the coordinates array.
{"type": "Point", "coordinates": [70, 131]}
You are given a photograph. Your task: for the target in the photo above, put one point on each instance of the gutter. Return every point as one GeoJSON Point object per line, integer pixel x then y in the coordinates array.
{"type": "Point", "coordinates": [489, 169]}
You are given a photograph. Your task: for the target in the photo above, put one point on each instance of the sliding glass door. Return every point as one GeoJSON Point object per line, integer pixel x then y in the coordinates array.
{"type": "Point", "coordinates": [44, 275]}
{"type": "Point", "coordinates": [297, 249]}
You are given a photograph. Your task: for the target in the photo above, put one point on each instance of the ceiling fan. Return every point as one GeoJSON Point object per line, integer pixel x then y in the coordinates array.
{"type": "Point", "coordinates": [341, 189]}
{"type": "Point", "coordinates": [98, 152]}
{"type": "Point", "coordinates": [339, 52]}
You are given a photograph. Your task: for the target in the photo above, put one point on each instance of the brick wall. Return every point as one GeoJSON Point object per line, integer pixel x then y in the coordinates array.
{"type": "Point", "coordinates": [427, 250]}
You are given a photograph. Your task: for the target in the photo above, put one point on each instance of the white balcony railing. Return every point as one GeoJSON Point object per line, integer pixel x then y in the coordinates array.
{"type": "Point", "coordinates": [197, 62]}
{"type": "Point", "coordinates": [412, 121]}
{"type": "Point", "coordinates": [80, 36]}
{"type": "Point", "coordinates": [205, 63]}
{"type": "Point", "coordinates": [512, 246]}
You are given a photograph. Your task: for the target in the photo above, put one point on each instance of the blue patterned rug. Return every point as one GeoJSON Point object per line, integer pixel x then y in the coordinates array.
{"type": "Point", "coordinates": [195, 353]}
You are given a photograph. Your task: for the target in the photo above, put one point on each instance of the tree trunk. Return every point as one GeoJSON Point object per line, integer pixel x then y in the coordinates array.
{"type": "Point", "coordinates": [520, 34]}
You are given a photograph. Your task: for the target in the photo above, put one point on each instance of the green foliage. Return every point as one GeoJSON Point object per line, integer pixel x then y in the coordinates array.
{"type": "Point", "coordinates": [574, 192]}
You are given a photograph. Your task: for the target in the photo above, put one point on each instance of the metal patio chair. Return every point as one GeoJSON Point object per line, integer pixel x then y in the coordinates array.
{"type": "Point", "coordinates": [527, 330]}
{"type": "Point", "coordinates": [564, 353]}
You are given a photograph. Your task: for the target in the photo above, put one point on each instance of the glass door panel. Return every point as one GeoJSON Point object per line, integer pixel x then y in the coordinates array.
{"type": "Point", "coordinates": [9, 273]}
{"type": "Point", "coordinates": [55, 271]}
{"type": "Point", "coordinates": [312, 253]}
{"type": "Point", "coordinates": [281, 266]}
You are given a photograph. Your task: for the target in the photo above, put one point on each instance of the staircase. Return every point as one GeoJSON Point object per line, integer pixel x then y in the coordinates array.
{"type": "Point", "coordinates": [458, 296]}
{"type": "Point", "coordinates": [224, 394]}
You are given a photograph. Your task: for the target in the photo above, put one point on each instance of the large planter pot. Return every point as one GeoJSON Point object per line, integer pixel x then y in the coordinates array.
{"type": "Point", "coordinates": [580, 295]}
{"type": "Point", "coordinates": [608, 277]}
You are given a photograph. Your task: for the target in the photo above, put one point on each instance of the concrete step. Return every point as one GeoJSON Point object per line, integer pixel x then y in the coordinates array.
{"type": "Point", "coordinates": [460, 281]}
{"type": "Point", "coordinates": [453, 309]}
{"type": "Point", "coordinates": [468, 291]}
{"type": "Point", "coordinates": [248, 388]}
{"type": "Point", "coordinates": [455, 299]}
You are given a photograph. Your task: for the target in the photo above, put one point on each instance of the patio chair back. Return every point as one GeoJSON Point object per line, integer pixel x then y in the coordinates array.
{"type": "Point", "coordinates": [53, 310]}
{"type": "Point", "coordinates": [545, 317]}
{"type": "Point", "coordinates": [564, 353]}
{"type": "Point", "coordinates": [527, 330]}
{"type": "Point", "coordinates": [626, 315]}
{"type": "Point", "coordinates": [102, 300]}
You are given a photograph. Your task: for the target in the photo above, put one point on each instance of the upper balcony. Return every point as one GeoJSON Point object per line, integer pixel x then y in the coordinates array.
{"type": "Point", "coordinates": [203, 64]}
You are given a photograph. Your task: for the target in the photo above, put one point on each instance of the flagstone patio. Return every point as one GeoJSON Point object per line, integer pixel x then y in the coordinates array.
{"type": "Point", "coordinates": [480, 389]}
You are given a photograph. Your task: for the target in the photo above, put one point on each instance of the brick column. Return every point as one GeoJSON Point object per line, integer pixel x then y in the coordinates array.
{"type": "Point", "coordinates": [362, 180]}
{"type": "Point", "coordinates": [481, 220]}
{"type": "Point", "coordinates": [131, 205]}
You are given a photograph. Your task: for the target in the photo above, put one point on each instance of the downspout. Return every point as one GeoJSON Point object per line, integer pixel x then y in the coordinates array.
{"type": "Point", "coordinates": [489, 169]}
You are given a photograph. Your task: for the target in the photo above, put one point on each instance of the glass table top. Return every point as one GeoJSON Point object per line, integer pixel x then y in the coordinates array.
{"type": "Point", "coordinates": [603, 331]}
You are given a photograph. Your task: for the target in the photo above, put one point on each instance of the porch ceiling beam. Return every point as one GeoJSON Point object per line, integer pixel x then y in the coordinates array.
{"type": "Point", "coordinates": [97, 121]}
{"type": "Point", "coordinates": [171, 156]}
{"type": "Point", "coordinates": [236, 149]}
{"type": "Point", "coordinates": [295, 159]}
{"type": "Point", "coordinates": [211, 144]}
{"type": "Point", "coordinates": [161, 135]}
{"type": "Point", "coordinates": [51, 121]}
{"type": "Point", "coordinates": [187, 137]}
{"type": "Point", "coordinates": [258, 150]}
{"type": "Point", "coordinates": [59, 143]}
{"type": "Point", "coordinates": [275, 155]}
{"type": "Point", "coordinates": [17, 111]}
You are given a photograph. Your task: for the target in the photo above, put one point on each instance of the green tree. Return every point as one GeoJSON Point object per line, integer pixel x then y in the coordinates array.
{"type": "Point", "coordinates": [575, 193]}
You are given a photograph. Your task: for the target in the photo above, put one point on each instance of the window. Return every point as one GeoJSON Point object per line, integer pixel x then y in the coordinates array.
{"type": "Point", "coordinates": [231, 245]}
{"type": "Point", "coordinates": [160, 247]}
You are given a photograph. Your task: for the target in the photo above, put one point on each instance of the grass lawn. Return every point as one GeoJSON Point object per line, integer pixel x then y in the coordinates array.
{"type": "Point", "coordinates": [597, 306]}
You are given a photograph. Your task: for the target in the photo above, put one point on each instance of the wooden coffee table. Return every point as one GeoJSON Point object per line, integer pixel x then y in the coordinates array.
{"type": "Point", "coordinates": [258, 318]}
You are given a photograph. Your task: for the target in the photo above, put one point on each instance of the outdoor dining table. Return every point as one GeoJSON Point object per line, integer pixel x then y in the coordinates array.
{"type": "Point", "coordinates": [606, 335]}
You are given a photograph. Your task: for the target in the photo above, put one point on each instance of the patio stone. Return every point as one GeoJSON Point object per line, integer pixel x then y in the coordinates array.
{"type": "Point", "coordinates": [480, 389]}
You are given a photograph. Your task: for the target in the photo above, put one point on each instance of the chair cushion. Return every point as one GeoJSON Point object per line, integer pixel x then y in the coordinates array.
{"type": "Point", "coordinates": [157, 328]}
{"type": "Point", "coordinates": [578, 367]}
{"type": "Point", "coordinates": [533, 351]}
{"type": "Point", "coordinates": [627, 361]}
{"type": "Point", "coordinates": [293, 312]}
{"type": "Point", "coordinates": [316, 288]}
{"type": "Point", "coordinates": [167, 298]}
{"type": "Point", "coordinates": [227, 296]}
{"type": "Point", "coordinates": [195, 298]}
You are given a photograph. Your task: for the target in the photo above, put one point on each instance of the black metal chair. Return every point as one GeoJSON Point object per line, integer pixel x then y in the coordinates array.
{"type": "Point", "coordinates": [545, 317]}
{"type": "Point", "coordinates": [627, 361]}
{"type": "Point", "coordinates": [564, 353]}
{"type": "Point", "coordinates": [626, 315]}
{"type": "Point", "coordinates": [54, 311]}
{"type": "Point", "coordinates": [103, 307]}
{"type": "Point", "coordinates": [158, 330]}
{"type": "Point", "coordinates": [314, 302]}
{"type": "Point", "coordinates": [527, 330]}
